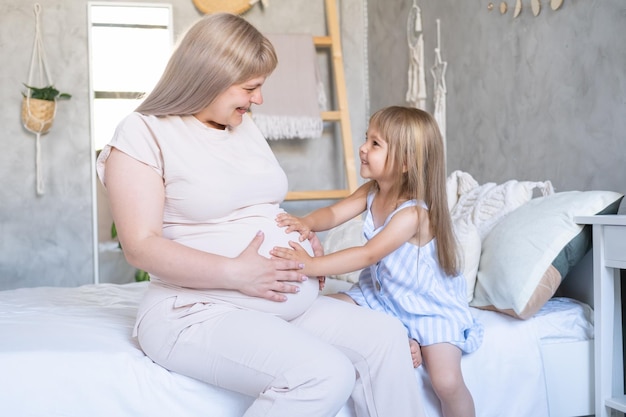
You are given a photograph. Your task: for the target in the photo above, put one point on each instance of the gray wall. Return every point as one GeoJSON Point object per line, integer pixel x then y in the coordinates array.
{"type": "Point", "coordinates": [528, 98]}
{"type": "Point", "coordinates": [531, 98]}
{"type": "Point", "coordinates": [45, 239]}
{"type": "Point", "coordinates": [48, 240]}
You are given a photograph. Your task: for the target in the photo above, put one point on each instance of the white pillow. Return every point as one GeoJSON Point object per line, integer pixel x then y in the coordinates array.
{"type": "Point", "coordinates": [516, 275]}
{"type": "Point", "coordinates": [344, 236]}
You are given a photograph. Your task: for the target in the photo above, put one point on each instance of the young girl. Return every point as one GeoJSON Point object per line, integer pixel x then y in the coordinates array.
{"type": "Point", "coordinates": [412, 267]}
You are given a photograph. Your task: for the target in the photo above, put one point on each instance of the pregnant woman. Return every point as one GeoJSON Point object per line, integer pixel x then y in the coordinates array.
{"type": "Point", "coordinates": [194, 191]}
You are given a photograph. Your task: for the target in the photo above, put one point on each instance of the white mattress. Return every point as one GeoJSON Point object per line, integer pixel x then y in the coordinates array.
{"type": "Point", "coordinates": [564, 320]}
{"type": "Point", "coordinates": [69, 352]}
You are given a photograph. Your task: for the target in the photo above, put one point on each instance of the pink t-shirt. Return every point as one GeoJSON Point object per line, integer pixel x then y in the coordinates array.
{"type": "Point", "coordinates": [221, 187]}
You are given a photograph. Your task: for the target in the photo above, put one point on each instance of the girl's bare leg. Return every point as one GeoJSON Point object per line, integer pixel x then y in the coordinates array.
{"type": "Point", "coordinates": [443, 364]}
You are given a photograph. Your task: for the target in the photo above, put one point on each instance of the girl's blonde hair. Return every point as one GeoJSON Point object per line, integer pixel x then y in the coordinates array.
{"type": "Point", "coordinates": [417, 158]}
{"type": "Point", "coordinates": [218, 51]}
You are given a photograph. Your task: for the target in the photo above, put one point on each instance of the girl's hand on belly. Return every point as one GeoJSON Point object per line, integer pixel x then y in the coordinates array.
{"type": "Point", "coordinates": [294, 253]}
{"type": "Point", "coordinates": [297, 253]}
{"type": "Point", "coordinates": [293, 224]}
{"type": "Point", "coordinates": [318, 250]}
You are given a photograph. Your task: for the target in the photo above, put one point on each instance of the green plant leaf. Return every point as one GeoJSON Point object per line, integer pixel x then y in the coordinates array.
{"type": "Point", "coordinates": [141, 275]}
{"type": "Point", "coordinates": [114, 234]}
{"type": "Point", "coordinates": [48, 93]}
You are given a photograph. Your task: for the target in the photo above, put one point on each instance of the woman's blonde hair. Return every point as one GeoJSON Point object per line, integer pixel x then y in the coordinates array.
{"type": "Point", "coordinates": [218, 51]}
{"type": "Point", "coordinates": [416, 156]}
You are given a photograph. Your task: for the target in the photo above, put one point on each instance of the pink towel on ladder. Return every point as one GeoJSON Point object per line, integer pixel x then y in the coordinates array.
{"type": "Point", "coordinates": [292, 94]}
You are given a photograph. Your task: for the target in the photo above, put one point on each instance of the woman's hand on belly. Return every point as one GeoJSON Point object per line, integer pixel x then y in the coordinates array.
{"type": "Point", "coordinates": [257, 276]}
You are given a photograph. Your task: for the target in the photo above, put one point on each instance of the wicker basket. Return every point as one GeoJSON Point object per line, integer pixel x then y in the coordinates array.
{"type": "Point", "coordinates": [37, 115]}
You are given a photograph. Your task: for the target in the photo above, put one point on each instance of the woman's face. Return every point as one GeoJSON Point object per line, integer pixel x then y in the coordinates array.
{"type": "Point", "coordinates": [230, 106]}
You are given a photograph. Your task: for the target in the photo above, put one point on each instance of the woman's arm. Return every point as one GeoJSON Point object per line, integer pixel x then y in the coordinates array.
{"type": "Point", "coordinates": [400, 229]}
{"type": "Point", "coordinates": [137, 197]}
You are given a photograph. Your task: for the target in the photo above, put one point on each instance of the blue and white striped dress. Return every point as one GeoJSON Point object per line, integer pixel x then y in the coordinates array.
{"type": "Point", "coordinates": [410, 284]}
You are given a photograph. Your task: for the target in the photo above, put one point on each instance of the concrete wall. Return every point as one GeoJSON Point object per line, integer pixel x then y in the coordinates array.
{"type": "Point", "coordinates": [49, 239]}
{"type": "Point", "coordinates": [528, 98]}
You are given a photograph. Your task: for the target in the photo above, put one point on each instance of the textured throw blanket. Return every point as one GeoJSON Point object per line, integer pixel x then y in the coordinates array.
{"type": "Point", "coordinates": [293, 93]}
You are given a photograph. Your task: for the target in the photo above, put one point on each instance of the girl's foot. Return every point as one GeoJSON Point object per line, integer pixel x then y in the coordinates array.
{"type": "Point", "coordinates": [416, 353]}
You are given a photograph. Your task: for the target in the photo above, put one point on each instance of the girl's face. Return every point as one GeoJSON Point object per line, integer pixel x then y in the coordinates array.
{"type": "Point", "coordinates": [230, 106]}
{"type": "Point", "coordinates": [373, 155]}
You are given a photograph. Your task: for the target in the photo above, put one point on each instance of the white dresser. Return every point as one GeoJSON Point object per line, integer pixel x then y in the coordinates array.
{"type": "Point", "coordinates": [609, 256]}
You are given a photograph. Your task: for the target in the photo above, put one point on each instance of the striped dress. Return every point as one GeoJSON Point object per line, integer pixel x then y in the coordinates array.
{"type": "Point", "coordinates": [409, 284]}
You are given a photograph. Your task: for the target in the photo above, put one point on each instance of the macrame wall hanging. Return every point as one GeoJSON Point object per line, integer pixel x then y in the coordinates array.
{"type": "Point", "coordinates": [438, 71]}
{"type": "Point", "coordinates": [416, 92]}
{"type": "Point", "coordinates": [39, 104]}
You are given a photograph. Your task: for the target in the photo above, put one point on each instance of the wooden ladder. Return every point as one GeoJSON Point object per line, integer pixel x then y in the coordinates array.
{"type": "Point", "coordinates": [332, 42]}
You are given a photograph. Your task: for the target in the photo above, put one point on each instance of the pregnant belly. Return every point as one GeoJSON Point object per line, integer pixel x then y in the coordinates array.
{"type": "Point", "coordinates": [231, 239]}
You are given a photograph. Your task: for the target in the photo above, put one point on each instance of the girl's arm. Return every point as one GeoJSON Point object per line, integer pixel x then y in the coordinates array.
{"type": "Point", "coordinates": [137, 208]}
{"type": "Point", "coordinates": [400, 229]}
{"type": "Point", "coordinates": [326, 218]}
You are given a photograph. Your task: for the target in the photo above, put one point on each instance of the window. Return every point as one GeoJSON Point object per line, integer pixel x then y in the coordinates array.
{"type": "Point", "coordinates": [129, 45]}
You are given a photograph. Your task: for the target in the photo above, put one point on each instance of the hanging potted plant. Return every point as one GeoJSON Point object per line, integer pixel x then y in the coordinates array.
{"type": "Point", "coordinates": [39, 103]}
{"type": "Point", "coordinates": [39, 107]}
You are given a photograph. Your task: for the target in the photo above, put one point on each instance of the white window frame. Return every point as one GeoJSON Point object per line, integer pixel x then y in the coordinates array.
{"type": "Point", "coordinates": [125, 94]}
{"type": "Point", "coordinates": [117, 94]}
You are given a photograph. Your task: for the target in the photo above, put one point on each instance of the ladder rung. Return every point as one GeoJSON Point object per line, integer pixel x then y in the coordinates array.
{"type": "Point", "coordinates": [322, 41]}
{"type": "Point", "coordinates": [331, 116]}
{"type": "Point", "coordinates": [317, 195]}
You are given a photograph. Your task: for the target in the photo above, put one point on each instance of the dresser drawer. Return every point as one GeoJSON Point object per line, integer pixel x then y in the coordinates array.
{"type": "Point", "coordinates": [615, 246]}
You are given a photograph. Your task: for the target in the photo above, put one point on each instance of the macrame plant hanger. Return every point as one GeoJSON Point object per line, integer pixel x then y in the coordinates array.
{"type": "Point", "coordinates": [37, 115]}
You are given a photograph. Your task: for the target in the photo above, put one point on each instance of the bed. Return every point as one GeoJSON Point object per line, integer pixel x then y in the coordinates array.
{"type": "Point", "coordinates": [69, 351]}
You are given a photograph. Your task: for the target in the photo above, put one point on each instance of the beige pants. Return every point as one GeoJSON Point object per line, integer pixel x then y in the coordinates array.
{"type": "Point", "coordinates": [309, 366]}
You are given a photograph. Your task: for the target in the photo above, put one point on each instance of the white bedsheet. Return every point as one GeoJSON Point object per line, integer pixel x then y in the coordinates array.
{"type": "Point", "coordinates": [68, 352]}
